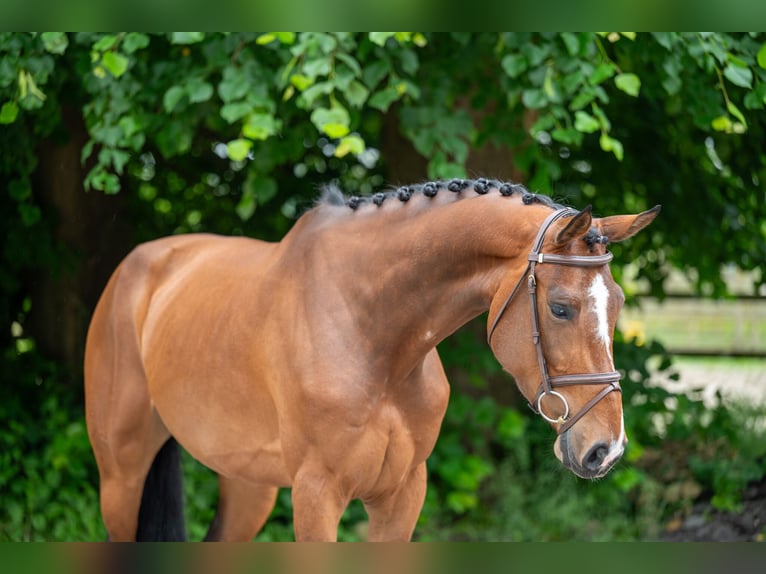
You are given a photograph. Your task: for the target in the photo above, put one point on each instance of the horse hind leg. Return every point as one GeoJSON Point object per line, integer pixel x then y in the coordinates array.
{"type": "Point", "coordinates": [131, 485]}
{"type": "Point", "coordinates": [125, 431]}
{"type": "Point", "coordinates": [243, 509]}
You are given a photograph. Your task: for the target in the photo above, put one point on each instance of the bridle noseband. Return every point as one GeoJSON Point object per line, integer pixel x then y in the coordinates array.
{"type": "Point", "coordinates": [611, 379]}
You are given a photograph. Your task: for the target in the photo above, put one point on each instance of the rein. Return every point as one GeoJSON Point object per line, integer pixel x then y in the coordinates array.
{"type": "Point", "coordinates": [611, 379]}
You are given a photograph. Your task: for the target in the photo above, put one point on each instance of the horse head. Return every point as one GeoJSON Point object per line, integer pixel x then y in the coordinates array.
{"type": "Point", "coordinates": [556, 336]}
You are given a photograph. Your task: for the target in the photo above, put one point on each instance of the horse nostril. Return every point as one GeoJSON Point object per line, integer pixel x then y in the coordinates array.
{"type": "Point", "coordinates": [595, 457]}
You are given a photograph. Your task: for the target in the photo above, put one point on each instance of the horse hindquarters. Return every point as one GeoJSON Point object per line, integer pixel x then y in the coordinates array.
{"type": "Point", "coordinates": [125, 431]}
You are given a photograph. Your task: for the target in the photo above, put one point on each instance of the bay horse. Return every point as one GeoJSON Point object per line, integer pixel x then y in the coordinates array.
{"type": "Point", "coordinates": [311, 363]}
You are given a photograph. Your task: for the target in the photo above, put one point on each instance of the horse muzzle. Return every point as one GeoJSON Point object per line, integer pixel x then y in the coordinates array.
{"type": "Point", "coordinates": [597, 460]}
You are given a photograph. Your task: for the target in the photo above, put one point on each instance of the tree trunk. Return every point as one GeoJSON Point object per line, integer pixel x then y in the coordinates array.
{"type": "Point", "coordinates": [89, 228]}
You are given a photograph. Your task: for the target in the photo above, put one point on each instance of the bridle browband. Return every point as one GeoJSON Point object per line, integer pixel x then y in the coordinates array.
{"type": "Point", "coordinates": [611, 379]}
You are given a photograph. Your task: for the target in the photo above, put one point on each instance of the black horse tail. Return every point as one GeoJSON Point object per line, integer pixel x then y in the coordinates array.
{"type": "Point", "coordinates": [161, 516]}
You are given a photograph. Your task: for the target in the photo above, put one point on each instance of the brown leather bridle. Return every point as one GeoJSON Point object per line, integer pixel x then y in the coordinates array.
{"type": "Point", "coordinates": [610, 379]}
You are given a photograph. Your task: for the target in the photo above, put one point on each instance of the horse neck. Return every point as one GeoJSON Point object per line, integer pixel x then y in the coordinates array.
{"type": "Point", "coordinates": [412, 280]}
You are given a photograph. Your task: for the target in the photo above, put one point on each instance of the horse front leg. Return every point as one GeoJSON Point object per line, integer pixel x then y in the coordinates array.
{"type": "Point", "coordinates": [318, 504]}
{"type": "Point", "coordinates": [393, 518]}
{"type": "Point", "coordinates": [243, 509]}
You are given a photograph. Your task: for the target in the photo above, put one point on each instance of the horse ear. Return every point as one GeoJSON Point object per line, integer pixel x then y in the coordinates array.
{"type": "Point", "coordinates": [577, 227]}
{"type": "Point", "coordinates": [621, 227]}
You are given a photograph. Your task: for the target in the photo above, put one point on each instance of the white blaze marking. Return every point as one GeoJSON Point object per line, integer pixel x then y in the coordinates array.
{"type": "Point", "coordinates": [600, 295]}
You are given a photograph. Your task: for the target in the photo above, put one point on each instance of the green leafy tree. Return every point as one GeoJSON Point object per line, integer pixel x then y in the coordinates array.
{"type": "Point", "coordinates": [111, 139]}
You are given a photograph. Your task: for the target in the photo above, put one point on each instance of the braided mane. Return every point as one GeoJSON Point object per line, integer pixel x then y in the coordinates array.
{"type": "Point", "coordinates": [331, 195]}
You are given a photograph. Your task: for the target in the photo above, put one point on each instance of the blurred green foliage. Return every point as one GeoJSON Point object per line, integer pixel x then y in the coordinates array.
{"type": "Point", "coordinates": [234, 133]}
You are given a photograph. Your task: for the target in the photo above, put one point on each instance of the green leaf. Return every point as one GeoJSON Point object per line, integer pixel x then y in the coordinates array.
{"type": "Point", "coordinates": [117, 64]}
{"type": "Point", "coordinates": [375, 72]}
{"type": "Point", "coordinates": [30, 214]}
{"type": "Point", "coordinates": [134, 41]}
{"type": "Point", "coordinates": [628, 83]}
{"type": "Point", "coordinates": [186, 37]}
{"type": "Point", "coordinates": [734, 110]}
{"type": "Point", "coordinates": [238, 149]}
{"type": "Point", "coordinates": [738, 75]}
{"type": "Point", "coordinates": [533, 99]}
{"type": "Point", "coordinates": [9, 112]}
{"type": "Point", "coordinates": [567, 136]}
{"type": "Point", "coordinates": [383, 99]}
{"type": "Point", "coordinates": [105, 43]}
{"type": "Point", "coordinates": [265, 39]}
{"type": "Point", "coordinates": [351, 62]}
{"type": "Point", "coordinates": [572, 42]}
{"type": "Point", "coordinates": [514, 64]}
{"type": "Point", "coordinates": [608, 143]}
{"type": "Point", "coordinates": [410, 61]}
{"type": "Point", "coordinates": [586, 123]}
{"type": "Point", "coordinates": [260, 126]}
{"type": "Point", "coordinates": [119, 159]}
{"type": "Point", "coordinates": [721, 124]}
{"type": "Point", "coordinates": [19, 189]}
{"type": "Point", "coordinates": [761, 57]}
{"type": "Point", "coordinates": [335, 130]}
{"type": "Point", "coordinates": [315, 91]}
{"type": "Point", "coordinates": [583, 98]}
{"type": "Point", "coordinates": [233, 112]}
{"type": "Point", "coordinates": [317, 67]}
{"type": "Point", "coordinates": [257, 190]}
{"type": "Point", "coordinates": [235, 84]}
{"type": "Point", "coordinates": [301, 82]}
{"type": "Point", "coordinates": [172, 97]}
{"type": "Point", "coordinates": [285, 37]}
{"type": "Point", "coordinates": [601, 73]}
{"type": "Point", "coordinates": [380, 38]}
{"type": "Point", "coordinates": [199, 90]}
{"type": "Point", "coordinates": [333, 122]}
{"type": "Point", "coordinates": [350, 144]}
{"type": "Point", "coordinates": [357, 94]}
{"type": "Point", "coordinates": [55, 42]}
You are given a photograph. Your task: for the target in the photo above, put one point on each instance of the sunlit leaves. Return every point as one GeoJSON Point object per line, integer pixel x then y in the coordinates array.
{"type": "Point", "coordinates": [628, 83]}
{"type": "Point", "coordinates": [259, 126]}
{"type": "Point", "coordinates": [380, 38]}
{"type": "Point", "coordinates": [282, 37]}
{"type": "Point", "coordinates": [611, 144]}
{"type": "Point", "coordinates": [334, 121]}
{"type": "Point", "coordinates": [350, 144]}
{"type": "Point", "coordinates": [9, 112]}
{"type": "Point", "coordinates": [585, 122]}
{"type": "Point", "coordinates": [738, 74]}
{"type": "Point", "coordinates": [239, 148]}
{"type": "Point", "coordinates": [115, 63]}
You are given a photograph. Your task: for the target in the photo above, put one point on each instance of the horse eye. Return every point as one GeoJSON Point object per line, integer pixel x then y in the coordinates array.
{"type": "Point", "coordinates": [559, 311]}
